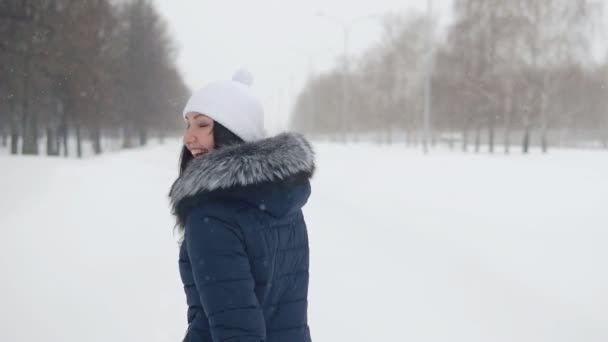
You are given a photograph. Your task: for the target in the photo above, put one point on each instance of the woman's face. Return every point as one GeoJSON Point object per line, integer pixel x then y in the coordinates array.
{"type": "Point", "coordinates": [198, 137]}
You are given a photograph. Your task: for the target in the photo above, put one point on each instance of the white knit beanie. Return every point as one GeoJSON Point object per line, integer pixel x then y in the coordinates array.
{"type": "Point", "coordinates": [233, 104]}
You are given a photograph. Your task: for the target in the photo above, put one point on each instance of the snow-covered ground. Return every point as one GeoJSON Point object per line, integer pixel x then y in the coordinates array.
{"type": "Point", "coordinates": [448, 247]}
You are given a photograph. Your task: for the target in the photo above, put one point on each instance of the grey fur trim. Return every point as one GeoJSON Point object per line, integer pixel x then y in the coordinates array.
{"type": "Point", "coordinates": [270, 159]}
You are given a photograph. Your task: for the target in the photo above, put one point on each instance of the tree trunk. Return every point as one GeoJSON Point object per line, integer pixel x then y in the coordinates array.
{"type": "Point", "coordinates": [161, 136]}
{"type": "Point", "coordinates": [14, 135]}
{"type": "Point", "coordinates": [57, 142]}
{"type": "Point", "coordinates": [3, 135]}
{"type": "Point", "coordinates": [96, 140]}
{"type": "Point", "coordinates": [408, 136]}
{"type": "Point", "coordinates": [465, 139]}
{"type": "Point", "coordinates": [451, 131]}
{"type": "Point", "coordinates": [65, 137]}
{"type": "Point", "coordinates": [49, 139]}
{"type": "Point", "coordinates": [30, 120]}
{"type": "Point", "coordinates": [116, 138]}
{"type": "Point", "coordinates": [508, 108]}
{"type": "Point", "coordinates": [491, 133]}
{"type": "Point", "coordinates": [143, 137]}
{"type": "Point", "coordinates": [389, 135]}
{"type": "Point", "coordinates": [545, 123]}
{"type": "Point", "coordinates": [127, 141]}
{"type": "Point", "coordinates": [507, 139]}
{"type": "Point", "coordinates": [30, 134]}
{"type": "Point", "coordinates": [14, 119]}
{"type": "Point", "coordinates": [477, 138]}
{"type": "Point", "coordinates": [561, 138]}
{"type": "Point", "coordinates": [526, 142]}
{"type": "Point", "coordinates": [51, 142]}
{"type": "Point", "coordinates": [78, 141]}
{"type": "Point", "coordinates": [14, 126]}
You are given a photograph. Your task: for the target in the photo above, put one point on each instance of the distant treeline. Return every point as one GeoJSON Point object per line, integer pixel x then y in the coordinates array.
{"type": "Point", "coordinates": [506, 72]}
{"type": "Point", "coordinates": [84, 71]}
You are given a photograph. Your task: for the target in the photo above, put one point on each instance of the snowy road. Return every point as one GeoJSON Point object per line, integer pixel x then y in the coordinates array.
{"type": "Point", "coordinates": [449, 247]}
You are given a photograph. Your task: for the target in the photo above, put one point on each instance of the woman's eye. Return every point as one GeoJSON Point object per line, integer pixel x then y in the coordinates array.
{"type": "Point", "coordinates": [203, 125]}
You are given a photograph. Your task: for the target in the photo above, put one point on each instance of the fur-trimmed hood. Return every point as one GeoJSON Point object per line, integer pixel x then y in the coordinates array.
{"type": "Point", "coordinates": [269, 160]}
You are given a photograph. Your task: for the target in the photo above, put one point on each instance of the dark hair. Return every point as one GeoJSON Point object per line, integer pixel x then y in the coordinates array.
{"type": "Point", "coordinates": [222, 137]}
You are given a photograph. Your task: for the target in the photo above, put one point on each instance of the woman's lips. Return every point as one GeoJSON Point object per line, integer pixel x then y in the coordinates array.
{"type": "Point", "coordinates": [198, 151]}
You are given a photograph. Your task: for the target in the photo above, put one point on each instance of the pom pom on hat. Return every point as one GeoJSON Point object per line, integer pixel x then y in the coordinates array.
{"type": "Point", "coordinates": [231, 103]}
{"type": "Point", "coordinates": [243, 76]}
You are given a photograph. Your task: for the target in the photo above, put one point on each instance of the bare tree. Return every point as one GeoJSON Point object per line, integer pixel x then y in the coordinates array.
{"type": "Point", "coordinates": [505, 66]}
{"type": "Point", "coordinates": [69, 71]}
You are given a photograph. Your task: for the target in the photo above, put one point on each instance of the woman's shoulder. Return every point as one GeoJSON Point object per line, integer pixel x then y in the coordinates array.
{"type": "Point", "coordinates": [221, 208]}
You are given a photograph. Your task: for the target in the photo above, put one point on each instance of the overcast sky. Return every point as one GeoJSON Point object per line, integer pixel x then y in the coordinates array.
{"type": "Point", "coordinates": [279, 41]}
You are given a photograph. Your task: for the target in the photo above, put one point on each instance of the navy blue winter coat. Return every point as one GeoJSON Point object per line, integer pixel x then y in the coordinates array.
{"type": "Point", "coordinates": [244, 256]}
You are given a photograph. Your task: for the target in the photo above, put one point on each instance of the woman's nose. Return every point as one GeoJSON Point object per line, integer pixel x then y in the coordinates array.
{"type": "Point", "coordinates": [189, 138]}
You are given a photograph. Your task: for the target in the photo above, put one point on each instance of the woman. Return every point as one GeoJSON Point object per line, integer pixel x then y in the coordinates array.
{"type": "Point", "coordinates": [238, 199]}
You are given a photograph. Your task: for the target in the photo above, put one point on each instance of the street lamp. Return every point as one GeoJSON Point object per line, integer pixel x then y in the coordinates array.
{"type": "Point", "coordinates": [346, 26]}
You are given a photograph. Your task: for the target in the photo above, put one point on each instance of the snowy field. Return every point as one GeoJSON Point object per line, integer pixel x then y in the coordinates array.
{"type": "Point", "coordinates": [446, 248]}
